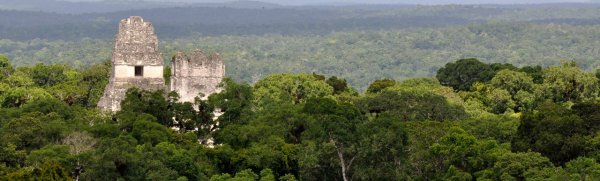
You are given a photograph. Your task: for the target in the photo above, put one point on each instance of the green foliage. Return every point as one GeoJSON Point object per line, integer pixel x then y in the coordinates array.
{"type": "Point", "coordinates": [516, 91]}
{"type": "Point", "coordinates": [466, 157]}
{"type": "Point", "coordinates": [356, 55]}
{"type": "Point", "coordinates": [512, 81]}
{"type": "Point", "coordinates": [339, 134]}
{"type": "Point", "coordinates": [70, 86]}
{"type": "Point", "coordinates": [569, 83]}
{"type": "Point", "coordinates": [94, 79]}
{"type": "Point", "coordinates": [10, 156]}
{"type": "Point", "coordinates": [57, 153]}
{"type": "Point", "coordinates": [244, 175]}
{"type": "Point", "coordinates": [49, 170]}
{"type": "Point", "coordinates": [335, 125]}
{"type": "Point", "coordinates": [578, 169]}
{"type": "Point", "coordinates": [456, 174]}
{"type": "Point", "coordinates": [19, 96]}
{"type": "Point", "coordinates": [48, 76]}
{"type": "Point", "coordinates": [47, 106]}
{"type": "Point", "coordinates": [339, 85]}
{"type": "Point", "coordinates": [303, 127]}
{"type": "Point", "coordinates": [248, 175]}
{"type": "Point", "coordinates": [235, 101]}
{"type": "Point", "coordinates": [535, 72]}
{"type": "Point", "coordinates": [550, 173]}
{"type": "Point", "coordinates": [379, 85]}
{"type": "Point", "coordinates": [501, 128]}
{"type": "Point", "coordinates": [146, 130]}
{"type": "Point", "coordinates": [461, 149]}
{"type": "Point", "coordinates": [554, 131]}
{"type": "Point", "coordinates": [583, 169]}
{"type": "Point", "coordinates": [116, 158]}
{"type": "Point", "coordinates": [167, 75]}
{"type": "Point", "coordinates": [6, 67]}
{"type": "Point", "coordinates": [513, 166]}
{"type": "Point", "coordinates": [294, 88]}
{"type": "Point", "coordinates": [463, 73]}
{"type": "Point", "coordinates": [153, 103]}
{"type": "Point", "coordinates": [383, 143]}
{"type": "Point", "coordinates": [413, 102]}
{"type": "Point", "coordinates": [18, 79]}
{"type": "Point", "coordinates": [204, 119]}
{"type": "Point", "coordinates": [24, 132]}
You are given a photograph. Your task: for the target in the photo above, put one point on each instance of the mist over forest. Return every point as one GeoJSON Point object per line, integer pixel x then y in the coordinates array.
{"type": "Point", "coordinates": [422, 38]}
{"type": "Point", "coordinates": [322, 2]}
{"type": "Point", "coordinates": [98, 6]}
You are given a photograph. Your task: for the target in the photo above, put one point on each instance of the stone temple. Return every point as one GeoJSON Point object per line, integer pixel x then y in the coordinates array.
{"type": "Point", "coordinates": [196, 73]}
{"type": "Point", "coordinates": [137, 62]}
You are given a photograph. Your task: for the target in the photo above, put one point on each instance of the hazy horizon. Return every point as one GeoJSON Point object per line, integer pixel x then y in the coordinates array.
{"type": "Point", "coordinates": [320, 2]}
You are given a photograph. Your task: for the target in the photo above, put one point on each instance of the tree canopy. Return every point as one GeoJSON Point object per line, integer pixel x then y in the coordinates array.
{"type": "Point", "coordinates": [479, 122]}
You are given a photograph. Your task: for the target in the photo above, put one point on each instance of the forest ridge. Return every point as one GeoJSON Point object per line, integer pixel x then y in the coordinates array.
{"type": "Point", "coordinates": [359, 43]}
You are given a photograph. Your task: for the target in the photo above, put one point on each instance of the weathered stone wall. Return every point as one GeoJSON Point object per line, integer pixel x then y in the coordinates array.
{"type": "Point", "coordinates": [136, 44]}
{"type": "Point", "coordinates": [196, 73]}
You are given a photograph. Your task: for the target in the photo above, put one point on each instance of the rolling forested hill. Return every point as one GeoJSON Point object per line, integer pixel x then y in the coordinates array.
{"type": "Point", "coordinates": [360, 43]}
{"type": "Point", "coordinates": [180, 22]}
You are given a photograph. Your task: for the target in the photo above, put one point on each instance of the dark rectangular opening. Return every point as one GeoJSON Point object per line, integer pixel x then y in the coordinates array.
{"type": "Point", "coordinates": [139, 71]}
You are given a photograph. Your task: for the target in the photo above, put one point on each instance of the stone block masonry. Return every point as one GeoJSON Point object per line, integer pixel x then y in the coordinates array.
{"type": "Point", "coordinates": [196, 74]}
{"type": "Point", "coordinates": [137, 62]}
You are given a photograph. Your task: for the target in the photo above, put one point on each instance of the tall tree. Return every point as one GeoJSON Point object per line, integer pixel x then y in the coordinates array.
{"type": "Point", "coordinates": [461, 74]}
{"type": "Point", "coordinates": [154, 103]}
{"type": "Point", "coordinates": [235, 102]}
{"type": "Point", "coordinates": [554, 131]}
{"type": "Point", "coordinates": [382, 145]}
{"type": "Point", "coordinates": [294, 88]}
{"type": "Point", "coordinates": [378, 85]}
{"type": "Point", "coordinates": [79, 143]}
{"type": "Point", "coordinates": [6, 67]}
{"type": "Point", "coordinates": [569, 83]}
{"type": "Point", "coordinates": [336, 125]}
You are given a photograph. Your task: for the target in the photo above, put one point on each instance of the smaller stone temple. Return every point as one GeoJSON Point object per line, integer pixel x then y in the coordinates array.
{"type": "Point", "coordinates": [196, 74]}
{"type": "Point", "coordinates": [137, 62]}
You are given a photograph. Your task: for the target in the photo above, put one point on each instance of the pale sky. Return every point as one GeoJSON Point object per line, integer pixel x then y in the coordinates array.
{"type": "Point", "coordinates": [308, 2]}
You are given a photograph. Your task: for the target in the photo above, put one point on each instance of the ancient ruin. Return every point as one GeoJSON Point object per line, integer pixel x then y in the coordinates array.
{"type": "Point", "coordinates": [137, 62]}
{"type": "Point", "coordinates": [196, 74]}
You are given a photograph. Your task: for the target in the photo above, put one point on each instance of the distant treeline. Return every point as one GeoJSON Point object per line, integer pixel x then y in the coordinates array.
{"type": "Point", "coordinates": [358, 56]}
{"type": "Point", "coordinates": [180, 22]}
